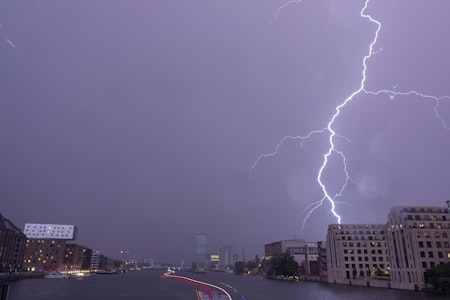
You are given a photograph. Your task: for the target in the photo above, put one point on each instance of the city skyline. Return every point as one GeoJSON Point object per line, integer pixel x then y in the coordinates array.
{"type": "Point", "coordinates": [139, 122]}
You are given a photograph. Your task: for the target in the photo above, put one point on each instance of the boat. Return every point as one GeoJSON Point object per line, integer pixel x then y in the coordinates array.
{"type": "Point", "coordinates": [56, 275]}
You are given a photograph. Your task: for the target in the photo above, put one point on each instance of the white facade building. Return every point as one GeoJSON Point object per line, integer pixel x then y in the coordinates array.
{"type": "Point", "coordinates": [357, 253]}
{"type": "Point", "coordinates": [418, 238]}
{"type": "Point", "coordinates": [50, 231]}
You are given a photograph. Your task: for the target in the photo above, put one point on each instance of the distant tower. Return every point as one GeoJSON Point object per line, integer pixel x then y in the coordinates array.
{"type": "Point", "coordinates": [200, 253]}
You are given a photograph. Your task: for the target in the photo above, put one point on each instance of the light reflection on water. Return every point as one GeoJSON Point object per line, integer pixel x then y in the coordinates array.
{"type": "Point", "coordinates": [151, 285]}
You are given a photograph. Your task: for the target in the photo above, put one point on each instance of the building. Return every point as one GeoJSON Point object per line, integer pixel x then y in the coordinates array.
{"type": "Point", "coordinates": [357, 254]}
{"type": "Point", "coordinates": [226, 257]}
{"type": "Point", "coordinates": [45, 247]}
{"type": "Point", "coordinates": [418, 238]}
{"type": "Point", "coordinates": [44, 254]}
{"type": "Point", "coordinates": [95, 260]}
{"type": "Point", "coordinates": [50, 231]}
{"type": "Point", "coordinates": [73, 256]}
{"type": "Point", "coordinates": [305, 254]}
{"type": "Point", "coordinates": [200, 250]}
{"type": "Point", "coordinates": [12, 246]}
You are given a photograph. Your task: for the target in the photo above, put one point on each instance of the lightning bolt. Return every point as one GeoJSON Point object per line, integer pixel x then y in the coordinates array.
{"type": "Point", "coordinates": [8, 41]}
{"type": "Point", "coordinates": [330, 131]}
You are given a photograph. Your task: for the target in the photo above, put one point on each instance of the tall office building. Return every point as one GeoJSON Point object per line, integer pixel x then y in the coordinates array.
{"type": "Point", "coordinates": [200, 253]}
{"type": "Point", "coordinates": [418, 238]}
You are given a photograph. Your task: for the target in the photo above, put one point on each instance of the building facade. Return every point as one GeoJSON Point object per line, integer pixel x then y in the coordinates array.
{"type": "Point", "coordinates": [44, 254]}
{"type": "Point", "coordinates": [418, 238]}
{"type": "Point", "coordinates": [226, 257]}
{"type": "Point", "coordinates": [306, 254]}
{"type": "Point", "coordinates": [45, 248]}
{"type": "Point", "coordinates": [200, 250]}
{"type": "Point", "coordinates": [357, 254]}
{"type": "Point", "coordinates": [12, 246]}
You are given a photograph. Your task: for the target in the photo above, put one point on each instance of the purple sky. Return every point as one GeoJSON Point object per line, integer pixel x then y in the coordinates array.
{"type": "Point", "coordinates": [138, 121]}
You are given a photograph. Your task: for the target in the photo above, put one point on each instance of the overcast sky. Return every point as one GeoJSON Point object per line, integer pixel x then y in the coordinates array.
{"type": "Point", "coordinates": [138, 121]}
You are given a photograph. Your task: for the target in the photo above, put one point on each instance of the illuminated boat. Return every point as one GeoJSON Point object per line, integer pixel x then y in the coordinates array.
{"type": "Point", "coordinates": [56, 275]}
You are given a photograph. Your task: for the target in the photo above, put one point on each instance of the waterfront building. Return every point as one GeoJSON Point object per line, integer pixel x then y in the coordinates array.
{"type": "Point", "coordinates": [357, 254]}
{"type": "Point", "coordinates": [73, 256]}
{"type": "Point", "coordinates": [418, 238]}
{"type": "Point", "coordinates": [305, 254]}
{"type": "Point", "coordinates": [12, 246]}
{"type": "Point", "coordinates": [44, 254]}
{"type": "Point", "coordinates": [95, 260]}
{"type": "Point", "coordinates": [46, 244]}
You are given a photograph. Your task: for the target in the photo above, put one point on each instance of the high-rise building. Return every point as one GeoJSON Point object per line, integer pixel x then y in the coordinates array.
{"type": "Point", "coordinates": [357, 253]}
{"type": "Point", "coordinates": [12, 246]}
{"type": "Point", "coordinates": [200, 253]}
{"type": "Point", "coordinates": [418, 238]}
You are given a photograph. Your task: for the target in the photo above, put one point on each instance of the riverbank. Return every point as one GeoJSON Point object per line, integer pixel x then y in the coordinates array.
{"type": "Point", "coordinates": [7, 277]}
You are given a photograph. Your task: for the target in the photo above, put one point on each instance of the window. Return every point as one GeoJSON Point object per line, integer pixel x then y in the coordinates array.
{"type": "Point", "coordinates": [440, 254]}
{"type": "Point", "coordinates": [422, 254]}
{"type": "Point", "coordinates": [436, 234]}
{"type": "Point", "coordinates": [444, 234]}
{"type": "Point", "coordinates": [445, 244]}
{"type": "Point", "coordinates": [424, 264]}
{"type": "Point", "coordinates": [380, 258]}
{"type": "Point", "coordinates": [420, 244]}
{"type": "Point", "coordinates": [438, 244]}
{"type": "Point", "coordinates": [430, 254]}
{"type": "Point", "coordinates": [428, 244]}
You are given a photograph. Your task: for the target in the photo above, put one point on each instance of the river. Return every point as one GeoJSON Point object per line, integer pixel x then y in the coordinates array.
{"type": "Point", "coordinates": [150, 284]}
